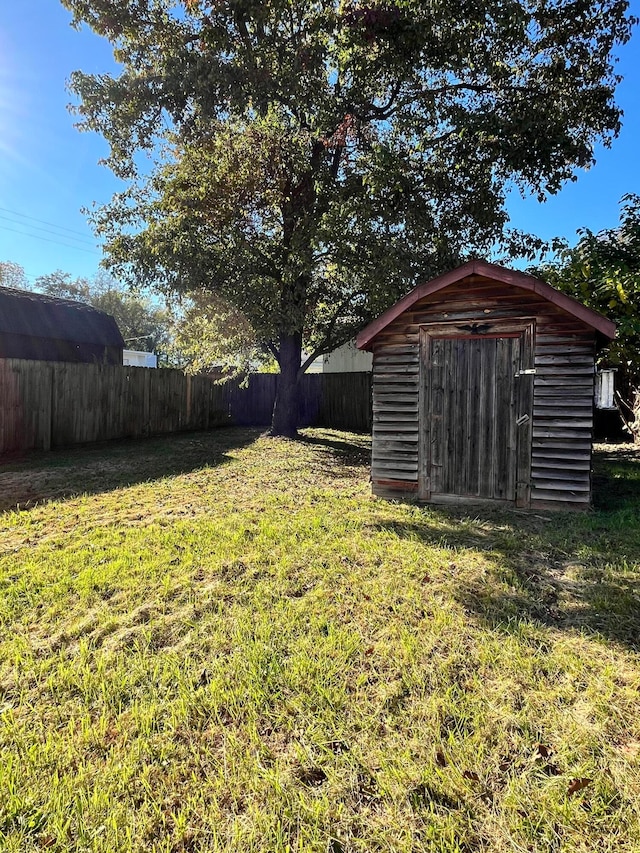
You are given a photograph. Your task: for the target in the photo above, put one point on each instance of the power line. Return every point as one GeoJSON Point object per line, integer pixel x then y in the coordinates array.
{"type": "Point", "coordinates": [47, 240]}
{"type": "Point", "coordinates": [43, 221]}
{"type": "Point", "coordinates": [46, 230]}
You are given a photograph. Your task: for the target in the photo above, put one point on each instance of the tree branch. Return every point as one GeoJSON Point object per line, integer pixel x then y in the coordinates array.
{"type": "Point", "coordinates": [270, 347]}
{"type": "Point", "coordinates": [328, 342]}
{"type": "Point", "coordinates": [335, 162]}
{"type": "Point", "coordinates": [381, 112]}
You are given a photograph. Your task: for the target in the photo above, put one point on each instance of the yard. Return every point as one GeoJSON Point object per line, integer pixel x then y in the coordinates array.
{"type": "Point", "coordinates": [221, 642]}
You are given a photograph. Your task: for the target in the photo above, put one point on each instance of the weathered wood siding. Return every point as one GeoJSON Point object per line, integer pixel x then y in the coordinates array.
{"type": "Point", "coordinates": [564, 352]}
{"type": "Point", "coordinates": [562, 414]}
{"type": "Point", "coordinates": [396, 415]}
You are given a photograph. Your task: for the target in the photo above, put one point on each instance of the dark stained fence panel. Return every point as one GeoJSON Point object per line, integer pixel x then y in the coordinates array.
{"type": "Point", "coordinates": [58, 404]}
{"type": "Point", "coordinates": [25, 405]}
{"type": "Point", "coordinates": [344, 401]}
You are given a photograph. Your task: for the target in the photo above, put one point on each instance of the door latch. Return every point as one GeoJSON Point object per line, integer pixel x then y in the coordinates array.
{"type": "Point", "coordinates": [523, 419]}
{"type": "Point", "coordinates": [530, 371]}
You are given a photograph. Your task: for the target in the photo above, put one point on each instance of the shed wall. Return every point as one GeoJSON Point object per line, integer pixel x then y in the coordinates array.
{"type": "Point", "coordinates": [56, 349]}
{"type": "Point", "coordinates": [564, 353]}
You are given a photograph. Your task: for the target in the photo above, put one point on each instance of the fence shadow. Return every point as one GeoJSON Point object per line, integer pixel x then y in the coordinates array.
{"type": "Point", "coordinates": [41, 477]}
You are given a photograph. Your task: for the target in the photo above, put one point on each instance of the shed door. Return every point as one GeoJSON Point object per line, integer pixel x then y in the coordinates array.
{"type": "Point", "coordinates": [477, 412]}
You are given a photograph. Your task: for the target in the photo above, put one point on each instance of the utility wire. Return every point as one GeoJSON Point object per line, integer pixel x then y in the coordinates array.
{"type": "Point", "coordinates": [42, 221]}
{"type": "Point", "coordinates": [47, 240]}
{"type": "Point", "coordinates": [46, 230]}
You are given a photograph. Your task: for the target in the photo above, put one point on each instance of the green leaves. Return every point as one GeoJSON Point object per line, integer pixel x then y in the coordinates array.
{"type": "Point", "coordinates": [603, 271]}
{"type": "Point", "coordinates": [325, 153]}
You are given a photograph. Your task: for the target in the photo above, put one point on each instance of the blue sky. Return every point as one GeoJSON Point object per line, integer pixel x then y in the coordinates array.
{"type": "Point", "coordinates": [49, 170]}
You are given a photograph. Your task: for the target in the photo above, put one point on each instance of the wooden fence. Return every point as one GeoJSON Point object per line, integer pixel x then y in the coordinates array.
{"type": "Point", "coordinates": [59, 404]}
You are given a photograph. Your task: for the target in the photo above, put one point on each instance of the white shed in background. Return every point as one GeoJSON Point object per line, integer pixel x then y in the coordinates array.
{"type": "Point", "coordinates": [605, 386]}
{"type": "Point", "coordinates": [136, 358]}
{"type": "Point", "coordinates": [347, 359]}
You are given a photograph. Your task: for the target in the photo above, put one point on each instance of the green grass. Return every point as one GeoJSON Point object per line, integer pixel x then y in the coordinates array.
{"type": "Point", "coordinates": [223, 642]}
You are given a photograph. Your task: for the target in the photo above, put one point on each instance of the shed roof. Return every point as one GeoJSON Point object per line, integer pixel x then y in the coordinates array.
{"type": "Point", "coordinates": [606, 328]}
{"type": "Point", "coordinates": [38, 315]}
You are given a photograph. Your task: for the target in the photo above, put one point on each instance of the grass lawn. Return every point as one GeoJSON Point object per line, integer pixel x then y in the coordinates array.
{"type": "Point", "coordinates": [222, 642]}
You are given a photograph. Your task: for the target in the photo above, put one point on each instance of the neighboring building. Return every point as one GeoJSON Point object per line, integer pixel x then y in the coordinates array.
{"type": "Point", "coordinates": [347, 359]}
{"type": "Point", "coordinates": [316, 364]}
{"type": "Point", "coordinates": [344, 359]}
{"type": "Point", "coordinates": [483, 386]}
{"type": "Point", "coordinates": [45, 328]}
{"type": "Point", "coordinates": [138, 358]}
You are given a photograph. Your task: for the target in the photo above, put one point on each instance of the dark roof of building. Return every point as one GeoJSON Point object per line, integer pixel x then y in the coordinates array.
{"type": "Point", "coordinates": [37, 315]}
{"type": "Point", "coordinates": [604, 327]}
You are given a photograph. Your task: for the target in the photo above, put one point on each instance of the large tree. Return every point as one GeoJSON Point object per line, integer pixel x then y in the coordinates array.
{"type": "Point", "coordinates": [312, 158]}
{"type": "Point", "coordinates": [603, 271]}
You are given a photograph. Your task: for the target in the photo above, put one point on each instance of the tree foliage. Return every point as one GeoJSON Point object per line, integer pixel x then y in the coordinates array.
{"type": "Point", "coordinates": [209, 335]}
{"type": "Point", "coordinates": [313, 160]}
{"type": "Point", "coordinates": [198, 334]}
{"type": "Point", "coordinates": [13, 275]}
{"type": "Point", "coordinates": [603, 271]}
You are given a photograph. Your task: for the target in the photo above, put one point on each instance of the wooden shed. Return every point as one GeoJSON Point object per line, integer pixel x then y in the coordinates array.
{"type": "Point", "coordinates": [483, 385]}
{"type": "Point", "coordinates": [37, 326]}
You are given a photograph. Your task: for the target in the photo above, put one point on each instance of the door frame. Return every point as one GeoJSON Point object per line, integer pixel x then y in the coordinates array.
{"type": "Point", "coordinates": [522, 327]}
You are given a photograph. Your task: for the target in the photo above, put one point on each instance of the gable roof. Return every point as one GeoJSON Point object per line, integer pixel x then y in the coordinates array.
{"type": "Point", "coordinates": [37, 315]}
{"type": "Point", "coordinates": [606, 328]}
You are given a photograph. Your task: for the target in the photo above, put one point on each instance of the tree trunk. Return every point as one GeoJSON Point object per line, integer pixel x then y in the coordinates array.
{"type": "Point", "coordinates": [285, 411]}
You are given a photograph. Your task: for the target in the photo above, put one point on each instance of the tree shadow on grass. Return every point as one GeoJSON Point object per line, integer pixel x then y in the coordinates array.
{"type": "Point", "coordinates": [347, 449]}
{"type": "Point", "coordinates": [616, 477]}
{"type": "Point", "coordinates": [41, 477]}
{"type": "Point", "coordinates": [583, 594]}
{"type": "Point", "coordinates": [569, 571]}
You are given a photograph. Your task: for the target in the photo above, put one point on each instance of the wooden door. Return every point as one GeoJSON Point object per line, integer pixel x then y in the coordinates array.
{"type": "Point", "coordinates": [477, 414]}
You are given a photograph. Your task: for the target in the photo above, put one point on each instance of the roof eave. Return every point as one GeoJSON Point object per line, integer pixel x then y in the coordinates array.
{"type": "Point", "coordinates": [605, 328]}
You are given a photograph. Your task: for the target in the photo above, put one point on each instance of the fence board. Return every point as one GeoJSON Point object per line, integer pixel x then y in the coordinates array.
{"type": "Point", "coordinates": [345, 401]}
{"type": "Point", "coordinates": [59, 404]}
